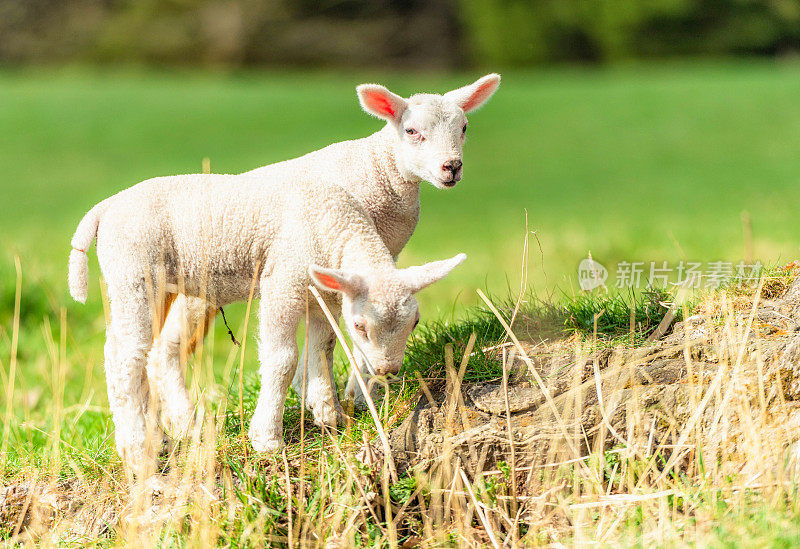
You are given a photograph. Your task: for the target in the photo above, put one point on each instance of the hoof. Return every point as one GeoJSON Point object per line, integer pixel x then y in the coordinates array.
{"type": "Point", "coordinates": [328, 417]}
{"type": "Point", "coordinates": [267, 445]}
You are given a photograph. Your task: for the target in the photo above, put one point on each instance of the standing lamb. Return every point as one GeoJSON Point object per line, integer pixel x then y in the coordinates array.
{"type": "Point", "coordinates": [215, 236]}
{"type": "Point", "coordinates": [422, 141]}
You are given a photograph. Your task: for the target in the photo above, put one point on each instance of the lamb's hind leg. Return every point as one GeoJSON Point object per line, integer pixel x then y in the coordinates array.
{"type": "Point", "coordinates": [316, 372]}
{"type": "Point", "coordinates": [129, 340]}
{"type": "Point", "coordinates": [185, 325]}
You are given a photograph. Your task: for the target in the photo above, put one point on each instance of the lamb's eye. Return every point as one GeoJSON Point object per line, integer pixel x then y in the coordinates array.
{"type": "Point", "coordinates": [416, 322]}
{"type": "Point", "coordinates": [464, 129]}
{"type": "Point", "coordinates": [361, 329]}
{"type": "Point", "coordinates": [411, 131]}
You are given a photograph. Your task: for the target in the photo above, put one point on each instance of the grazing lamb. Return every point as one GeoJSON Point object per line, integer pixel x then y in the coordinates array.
{"type": "Point", "coordinates": [215, 236]}
{"type": "Point", "coordinates": [422, 141]}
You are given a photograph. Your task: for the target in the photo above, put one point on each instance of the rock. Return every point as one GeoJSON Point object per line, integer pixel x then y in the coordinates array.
{"type": "Point", "coordinates": [491, 398]}
{"type": "Point", "coordinates": [661, 371]}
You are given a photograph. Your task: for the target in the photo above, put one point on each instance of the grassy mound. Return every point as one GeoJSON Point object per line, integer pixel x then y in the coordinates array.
{"type": "Point", "coordinates": [63, 480]}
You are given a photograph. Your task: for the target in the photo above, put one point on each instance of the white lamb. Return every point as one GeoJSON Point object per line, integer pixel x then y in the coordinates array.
{"type": "Point", "coordinates": [213, 236]}
{"type": "Point", "coordinates": [422, 141]}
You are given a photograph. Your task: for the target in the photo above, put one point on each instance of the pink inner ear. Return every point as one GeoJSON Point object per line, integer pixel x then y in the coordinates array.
{"type": "Point", "coordinates": [379, 103]}
{"type": "Point", "coordinates": [479, 96]}
{"type": "Point", "coordinates": [328, 281]}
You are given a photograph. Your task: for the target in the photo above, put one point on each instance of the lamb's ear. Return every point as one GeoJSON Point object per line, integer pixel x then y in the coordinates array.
{"type": "Point", "coordinates": [476, 94]}
{"type": "Point", "coordinates": [336, 281]}
{"type": "Point", "coordinates": [423, 276]}
{"type": "Point", "coordinates": [380, 102]}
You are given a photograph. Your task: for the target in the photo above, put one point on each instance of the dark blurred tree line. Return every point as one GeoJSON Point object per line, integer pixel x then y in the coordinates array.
{"type": "Point", "coordinates": [421, 33]}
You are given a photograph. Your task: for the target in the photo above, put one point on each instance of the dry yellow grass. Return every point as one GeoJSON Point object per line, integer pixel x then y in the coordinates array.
{"type": "Point", "coordinates": [720, 468]}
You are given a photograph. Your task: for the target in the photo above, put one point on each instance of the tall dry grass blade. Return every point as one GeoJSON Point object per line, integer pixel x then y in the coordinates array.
{"type": "Point", "coordinates": [462, 369]}
{"type": "Point", "coordinates": [511, 445]}
{"type": "Point", "coordinates": [288, 499]}
{"type": "Point", "coordinates": [449, 506]}
{"type": "Point", "coordinates": [424, 387]}
{"type": "Point", "coordinates": [12, 366]}
{"type": "Point", "coordinates": [455, 400]}
{"type": "Point", "coordinates": [387, 500]}
{"type": "Point", "coordinates": [302, 488]}
{"type": "Point", "coordinates": [523, 284]}
{"type": "Point", "coordinates": [479, 511]}
{"type": "Point", "coordinates": [451, 401]}
{"type": "Point", "coordinates": [58, 393]}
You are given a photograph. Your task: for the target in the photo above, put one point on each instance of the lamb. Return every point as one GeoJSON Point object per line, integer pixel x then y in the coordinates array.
{"type": "Point", "coordinates": [422, 140]}
{"type": "Point", "coordinates": [215, 237]}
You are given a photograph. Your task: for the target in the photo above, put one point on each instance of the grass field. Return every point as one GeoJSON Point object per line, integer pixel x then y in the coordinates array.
{"type": "Point", "coordinates": [630, 164]}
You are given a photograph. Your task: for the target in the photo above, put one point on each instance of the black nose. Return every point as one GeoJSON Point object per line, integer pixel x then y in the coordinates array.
{"type": "Point", "coordinates": [452, 166]}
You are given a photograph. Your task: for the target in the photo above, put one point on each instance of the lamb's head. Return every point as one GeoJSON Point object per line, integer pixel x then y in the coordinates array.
{"type": "Point", "coordinates": [430, 128]}
{"type": "Point", "coordinates": [379, 308]}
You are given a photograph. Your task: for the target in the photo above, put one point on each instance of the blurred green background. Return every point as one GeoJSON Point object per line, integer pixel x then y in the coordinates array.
{"type": "Point", "coordinates": [398, 33]}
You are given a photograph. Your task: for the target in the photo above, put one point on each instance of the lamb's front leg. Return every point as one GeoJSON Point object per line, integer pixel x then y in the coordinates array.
{"type": "Point", "coordinates": [317, 373]}
{"type": "Point", "coordinates": [277, 353]}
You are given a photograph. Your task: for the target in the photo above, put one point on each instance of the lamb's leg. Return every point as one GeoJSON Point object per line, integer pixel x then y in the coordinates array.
{"type": "Point", "coordinates": [279, 316]}
{"type": "Point", "coordinates": [129, 337]}
{"type": "Point", "coordinates": [184, 328]}
{"type": "Point", "coordinates": [353, 390]}
{"type": "Point", "coordinates": [321, 396]}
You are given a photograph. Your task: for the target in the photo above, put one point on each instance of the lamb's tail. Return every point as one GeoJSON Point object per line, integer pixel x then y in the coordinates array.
{"type": "Point", "coordinates": [81, 240]}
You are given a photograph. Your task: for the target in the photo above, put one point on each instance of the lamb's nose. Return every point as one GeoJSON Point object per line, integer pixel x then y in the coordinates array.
{"type": "Point", "coordinates": [452, 166]}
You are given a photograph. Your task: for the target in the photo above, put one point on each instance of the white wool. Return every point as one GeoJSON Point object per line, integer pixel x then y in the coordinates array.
{"type": "Point", "coordinates": [78, 275]}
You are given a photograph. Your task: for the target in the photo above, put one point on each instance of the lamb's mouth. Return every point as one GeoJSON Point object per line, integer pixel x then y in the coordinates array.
{"type": "Point", "coordinates": [450, 183]}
